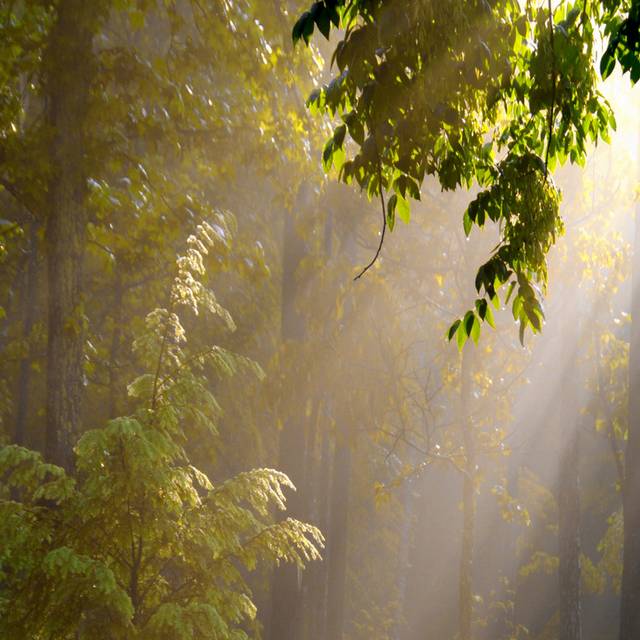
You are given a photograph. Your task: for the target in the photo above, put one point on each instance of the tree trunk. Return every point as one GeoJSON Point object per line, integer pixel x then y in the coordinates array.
{"type": "Point", "coordinates": [569, 533]}
{"type": "Point", "coordinates": [568, 489]}
{"type": "Point", "coordinates": [465, 601]}
{"type": "Point", "coordinates": [114, 351]}
{"type": "Point", "coordinates": [316, 574]}
{"type": "Point", "coordinates": [286, 605]}
{"type": "Point", "coordinates": [29, 301]}
{"type": "Point", "coordinates": [337, 538]}
{"type": "Point", "coordinates": [69, 70]}
{"type": "Point", "coordinates": [630, 594]}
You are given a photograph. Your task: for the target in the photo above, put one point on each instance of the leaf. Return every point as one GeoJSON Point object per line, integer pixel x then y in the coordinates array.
{"type": "Point", "coordinates": [452, 329]}
{"type": "Point", "coordinates": [469, 319]}
{"type": "Point", "coordinates": [461, 336]}
{"type": "Point", "coordinates": [475, 331]}
{"type": "Point", "coordinates": [403, 210]}
{"type": "Point", "coordinates": [323, 21]}
{"type": "Point", "coordinates": [391, 211]}
{"type": "Point", "coordinates": [327, 155]}
{"type": "Point", "coordinates": [299, 27]}
{"type": "Point", "coordinates": [484, 312]}
{"type": "Point", "coordinates": [512, 286]}
{"type": "Point", "coordinates": [467, 224]}
{"type": "Point", "coordinates": [339, 134]}
{"type": "Point", "coordinates": [608, 61]}
{"type": "Point", "coordinates": [307, 30]}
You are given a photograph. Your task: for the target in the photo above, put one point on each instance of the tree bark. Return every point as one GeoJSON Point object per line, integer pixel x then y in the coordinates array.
{"type": "Point", "coordinates": [568, 421]}
{"type": "Point", "coordinates": [316, 574]}
{"type": "Point", "coordinates": [114, 351]}
{"type": "Point", "coordinates": [338, 537]}
{"type": "Point", "coordinates": [569, 535]}
{"type": "Point", "coordinates": [29, 301]}
{"type": "Point", "coordinates": [465, 600]}
{"type": "Point", "coordinates": [69, 71]}
{"type": "Point", "coordinates": [630, 593]}
{"type": "Point", "coordinates": [286, 605]}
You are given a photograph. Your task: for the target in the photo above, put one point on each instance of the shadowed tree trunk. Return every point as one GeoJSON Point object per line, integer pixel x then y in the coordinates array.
{"type": "Point", "coordinates": [29, 301]}
{"type": "Point", "coordinates": [569, 534]}
{"type": "Point", "coordinates": [465, 597]}
{"type": "Point", "coordinates": [286, 604]}
{"type": "Point", "coordinates": [69, 70]}
{"type": "Point", "coordinates": [338, 535]}
{"type": "Point", "coordinates": [116, 340]}
{"type": "Point", "coordinates": [316, 573]}
{"type": "Point", "coordinates": [630, 594]}
{"type": "Point", "coordinates": [568, 425]}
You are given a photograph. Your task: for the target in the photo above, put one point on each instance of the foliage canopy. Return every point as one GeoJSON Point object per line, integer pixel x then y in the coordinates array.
{"type": "Point", "coordinates": [489, 93]}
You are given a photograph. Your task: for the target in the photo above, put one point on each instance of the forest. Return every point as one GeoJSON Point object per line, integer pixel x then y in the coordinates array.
{"type": "Point", "coordinates": [319, 320]}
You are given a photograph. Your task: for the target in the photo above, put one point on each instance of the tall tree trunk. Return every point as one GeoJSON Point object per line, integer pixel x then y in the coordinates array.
{"type": "Point", "coordinates": [116, 340]}
{"type": "Point", "coordinates": [318, 574]}
{"type": "Point", "coordinates": [69, 69]}
{"type": "Point", "coordinates": [403, 566]}
{"type": "Point", "coordinates": [569, 533]}
{"type": "Point", "coordinates": [286, 606]}
{"type": "Point", "coordinates": [568, 489]}
{"type": "Point", "coordinates": [630, 594]}
{"type": "Point", "coordinates": [465, 601]}
{"type": "Point", "coordinates": [338, 535]}
{"type": "Point", "coordinates": [29, 302]}
{"type": "Point", "coordinates": [318, 487]}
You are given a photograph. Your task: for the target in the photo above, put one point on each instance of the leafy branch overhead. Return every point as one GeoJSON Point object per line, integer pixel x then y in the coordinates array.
{"type": "Point", "coordinates": [492, 94]}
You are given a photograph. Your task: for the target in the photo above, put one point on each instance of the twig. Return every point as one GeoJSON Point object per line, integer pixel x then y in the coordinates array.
{"type": "Point", "coordinates": [384, 223]}
{"type": "Point", "coordinates": [553, 86]}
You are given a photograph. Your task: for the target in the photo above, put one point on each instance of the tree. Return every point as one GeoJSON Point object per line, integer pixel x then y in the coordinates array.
{"type": "Point", "coordinates": [446, 89]}
{"type": "Point", "coordinates": [286, 613]}
{"type": "Point", "coordinates": [69, 69]}
{"type": "Point", "coordinates": [141, 542]}
{"type": "Point", "coordinates": [114, 173]}
{"type": "Point", "coordinates": [630, 603]}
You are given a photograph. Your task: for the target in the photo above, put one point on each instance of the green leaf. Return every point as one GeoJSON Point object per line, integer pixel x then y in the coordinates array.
{"type": "Point", "coordinates": [391, 211]}
{"type": "Point", "coordinates": [461, 336]}
{"type": "Point", "coordinates": [339, 134]}
{"type": "Point", "coordinates": [489, 318]}
{"type": "Point", "coordinates": [327, 155]}
{"type": "Point", "coordinates": [466, 223]}
{"type": "Point", "coordinates": [299, 27]}
{"type": "Point", "coordinates": [512, 286]}
{"type": "Point", "coordinates": [307, 30]}
{"type": "Point", "coordinates": [475, 330]}
{"type": "Point", "coordinates": [484, 312]}
{"type": "Point", "coordinates": [469, 319]}
{"type": "Point", "coordinates": [323, 21]}
{"type": "Point", "coordinates": [403, 210]}
{"type": "Point", "coordinates": [608, 61]}
{"type": "Point", "coordinates": [452, 329]}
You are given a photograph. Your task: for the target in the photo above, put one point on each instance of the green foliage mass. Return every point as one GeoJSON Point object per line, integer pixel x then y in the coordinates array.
{"type": "Point", "coordinates": [139, 542]}
{"type": "Point", "coordinates": [487, 93]}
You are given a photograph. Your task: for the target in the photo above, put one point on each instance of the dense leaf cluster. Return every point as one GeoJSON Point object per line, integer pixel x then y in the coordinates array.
{"type": "Point", "coordinates": [488, 93]}
{"type": "Point", "coordinates": [139, 542]}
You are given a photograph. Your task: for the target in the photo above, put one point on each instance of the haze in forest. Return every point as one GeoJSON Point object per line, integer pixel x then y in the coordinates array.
{"type": "Point", "coordinates": [319, 322]}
